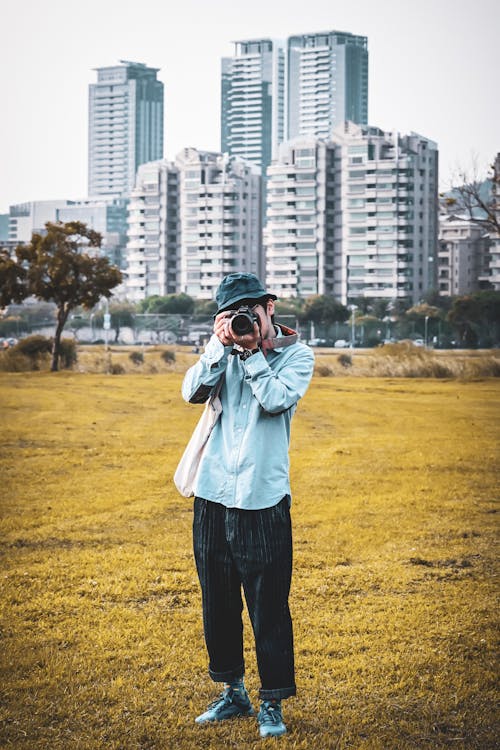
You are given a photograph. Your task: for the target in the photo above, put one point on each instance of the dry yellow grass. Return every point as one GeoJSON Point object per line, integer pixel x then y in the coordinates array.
{"type": "Point", "coordinates": [395, 484]}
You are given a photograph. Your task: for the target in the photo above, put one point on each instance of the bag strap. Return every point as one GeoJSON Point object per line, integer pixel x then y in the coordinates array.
{"type": "Point", "coordinates": [290, 337]}
{"type": "Point", "coordinates": [218, 387]}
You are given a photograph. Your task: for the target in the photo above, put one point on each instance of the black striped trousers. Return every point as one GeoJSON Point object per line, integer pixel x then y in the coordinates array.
{"type": "Point", "coordinates": [251, 549]}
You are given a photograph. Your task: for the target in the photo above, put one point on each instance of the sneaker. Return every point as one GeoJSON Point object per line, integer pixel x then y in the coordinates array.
{"type": "Point", "coordinates": [231, 703]}
{"type": "Point", "coordinates": [270, 719]}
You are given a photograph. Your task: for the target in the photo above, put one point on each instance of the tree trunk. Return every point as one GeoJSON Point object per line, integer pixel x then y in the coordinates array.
{"type": "Point", "coordinates": [62, 316]}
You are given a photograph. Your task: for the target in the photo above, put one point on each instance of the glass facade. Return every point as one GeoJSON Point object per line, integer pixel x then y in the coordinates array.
{"type": "Point", "coordinates": [327, 82]}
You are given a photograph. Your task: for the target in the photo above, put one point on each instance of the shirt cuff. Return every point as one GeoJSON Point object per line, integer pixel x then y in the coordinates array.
{"type": "Point", "coordinates": [215, 351]}
{"type": "Point", "coordinates": [255, 364]}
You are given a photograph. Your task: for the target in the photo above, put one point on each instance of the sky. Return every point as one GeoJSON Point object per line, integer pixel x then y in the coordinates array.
{"type": "Point", "coordinates": [432, 70]}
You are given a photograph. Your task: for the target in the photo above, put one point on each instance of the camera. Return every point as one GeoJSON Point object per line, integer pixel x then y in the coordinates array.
{"type": "Point", "coordinates": [242, 321]}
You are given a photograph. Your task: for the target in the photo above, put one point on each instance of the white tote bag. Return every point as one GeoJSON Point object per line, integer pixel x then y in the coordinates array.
{"type": "Point", "coordinates": [187, 469]}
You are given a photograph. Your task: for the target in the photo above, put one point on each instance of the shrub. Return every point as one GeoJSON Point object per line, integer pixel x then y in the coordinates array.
{"type": "Point", "coordinates": [401, 349]}
{"type": "Point", "coordinates": [67, 353]}
{"type": "Point", "coordinates": [30, 353]}
{"type": "Point", "coordinates": [485, 367]}
{"type": "Point", "coordinates": [12, 361]}
{"type": "Point", "coordinates": [345, 360]}
{"type": "Point", "coordinates": [136, 357]}
{"type": "Point", "coordinates": [168, 356]}
{"type": "Point", "coordinates": [34, 346]}
{"type": "Point", "coordinates": [33, 353]}
{"type": "Point", "coordinates": [116, 369]}
{"type": "Point", "coordinates": [324, 371]}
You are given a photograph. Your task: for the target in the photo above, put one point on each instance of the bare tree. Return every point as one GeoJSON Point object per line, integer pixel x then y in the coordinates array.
{"type": "Point", "coordinates": [468, 199]}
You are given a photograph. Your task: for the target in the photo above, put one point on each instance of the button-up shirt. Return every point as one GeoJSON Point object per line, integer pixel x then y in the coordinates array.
{"type": "Point", "coordinates": [245, 463]}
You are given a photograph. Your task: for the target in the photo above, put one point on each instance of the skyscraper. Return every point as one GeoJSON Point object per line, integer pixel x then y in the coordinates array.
{"type": "Point", "coordinates": [252, 111]}
{"type": "Point", "coordinates": [327, 82]}
{"type": "Point", "coordinates": [267, 99]}
{"type": "Point", "coordinates": [125, 126]}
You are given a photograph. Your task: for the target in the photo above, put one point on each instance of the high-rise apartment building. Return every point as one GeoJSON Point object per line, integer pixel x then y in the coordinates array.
{"type": "Point", "coordinates": [493, 274]}
{"type": "Point", "coordinates": [327, 82]}
{"type": "Point", "coordinates": [389, 234]}
{"type": "Point", "coordinates": [355, 216]}
{"type": "Point", "coordinates": [153, 232]}
{"type": "Point", "coordinates": [220, 220]}
{"type": "Point", "coordinates": [253, 103]}
{"type": "Point", "coordinates": [273, 91]}
{"type": "Point", "coordinates": [299, 236]}
{"type": "Point", "coordinates": [192, 221]}
{"type": "Point", "coordinates": [125, 126]}
{"type": "Point", "coordinates": [252, 98]}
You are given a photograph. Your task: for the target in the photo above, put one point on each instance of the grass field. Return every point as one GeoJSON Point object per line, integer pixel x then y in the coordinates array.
{"type": "Point", "coordinates": [395, 483]}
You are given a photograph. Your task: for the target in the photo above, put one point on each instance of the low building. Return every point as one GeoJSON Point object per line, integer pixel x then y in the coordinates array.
{"type": "Point", "coordinates": [26, 218]}
{"type": "Point", "coordinates": [108, 216]}
{"type": "Point", "coordinates": [463, 256]}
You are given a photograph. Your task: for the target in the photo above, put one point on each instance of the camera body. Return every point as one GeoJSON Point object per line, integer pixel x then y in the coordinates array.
{"type": "Point", "coordinates": [242, 321]}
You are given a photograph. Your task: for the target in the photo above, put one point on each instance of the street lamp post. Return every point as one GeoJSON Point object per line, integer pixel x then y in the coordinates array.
{"type": "Point", "coordinates": [352, 308]}
{"type": "Point", "coordinates": [107, 322]}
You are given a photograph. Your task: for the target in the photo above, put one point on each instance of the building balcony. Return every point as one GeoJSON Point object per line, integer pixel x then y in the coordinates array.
{"type": "Point", "coordinates": [274, 268]}
{"type": "Point", "coordinates": [135, 282]}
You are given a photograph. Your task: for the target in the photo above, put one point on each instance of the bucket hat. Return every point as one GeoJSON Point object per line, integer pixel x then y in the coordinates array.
{"type": "Point", "coordinates": [239, 286]}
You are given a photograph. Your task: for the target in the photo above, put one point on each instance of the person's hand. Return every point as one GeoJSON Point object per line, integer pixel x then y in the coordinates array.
{"type": "Point", "coordinates": [249, 340]}
{"type": "Point", "coordinates": [221, 329]}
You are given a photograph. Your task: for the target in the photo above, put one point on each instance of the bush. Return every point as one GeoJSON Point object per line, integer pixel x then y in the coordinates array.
{"type": "Point", "coordinates": [34, 346]}
{"type": "Point", "coordinates": [30, 353]}
{"type": "Point", "coordinates": [345, 360]}
{"type": "Point", "coordinates": [400, 350]}
{"type": "Point", "coordinates": [136, 357]}
{"type": "Point", "coordinates": [33, 353]}
{"type": "Point", "coordinates": [324, 371]}
{"type": "Point", "coordinates": [116, 369]}
{"type": "Point", "coordinates": [12, 361]}
{"type": "Point", "coordinates": [67, 353]}
{"type": "Point", "coordinates": [168, 357]}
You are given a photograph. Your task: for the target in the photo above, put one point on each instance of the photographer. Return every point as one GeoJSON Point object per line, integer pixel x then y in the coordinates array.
{"type": "Point", "coordinates": [242, 529]}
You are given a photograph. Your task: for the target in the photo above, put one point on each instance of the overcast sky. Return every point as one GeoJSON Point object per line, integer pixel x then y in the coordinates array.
{"type": "Point", "coordinates": [432, 69]}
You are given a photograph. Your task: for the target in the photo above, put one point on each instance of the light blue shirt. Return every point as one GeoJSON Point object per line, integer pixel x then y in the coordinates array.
{"type": "Point", "coordinates": [245, 463]}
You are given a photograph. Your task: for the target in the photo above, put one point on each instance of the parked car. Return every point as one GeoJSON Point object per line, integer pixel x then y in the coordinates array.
{"type": "Point", "coordinates": [341, 344]}
{"type": "Point", "coordinates": [6, 343]}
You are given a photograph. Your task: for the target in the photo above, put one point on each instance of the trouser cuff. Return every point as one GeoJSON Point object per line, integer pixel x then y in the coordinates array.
{"type": "Point", "coordinates": [277, 693]}
{"type": "Point", "coordinates": [229, 676]}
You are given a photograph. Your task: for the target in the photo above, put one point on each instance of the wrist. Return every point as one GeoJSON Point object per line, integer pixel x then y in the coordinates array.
{"type": "Point", "coordinates": [246, 353]}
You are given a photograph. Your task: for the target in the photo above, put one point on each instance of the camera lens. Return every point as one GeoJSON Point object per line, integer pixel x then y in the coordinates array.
{"type": "Point", "coordinates": [242, 323]}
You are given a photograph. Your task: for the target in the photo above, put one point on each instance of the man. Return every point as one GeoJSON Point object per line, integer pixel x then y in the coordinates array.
{"type": "Point", "coordinates": [241, 528]}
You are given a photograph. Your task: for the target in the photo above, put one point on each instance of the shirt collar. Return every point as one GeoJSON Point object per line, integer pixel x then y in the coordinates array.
{"type": "Point", "coordinates": [282, 332]}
